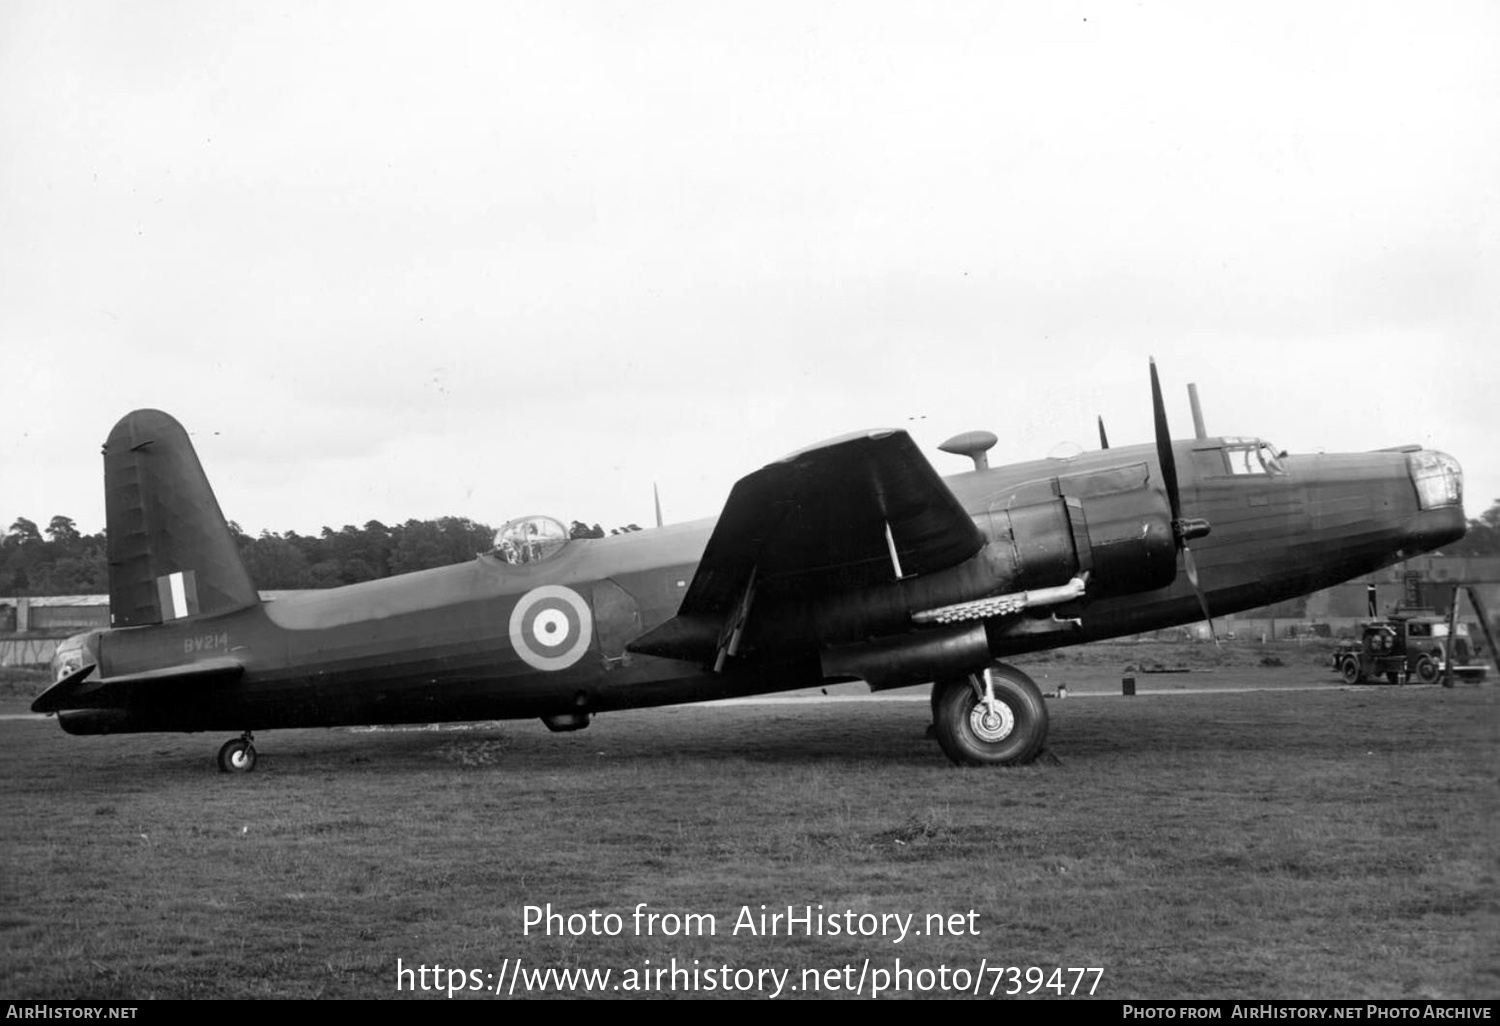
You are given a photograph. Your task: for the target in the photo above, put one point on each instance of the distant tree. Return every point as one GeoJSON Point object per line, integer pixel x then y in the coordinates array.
{"type": "Point", "coordinates": [1483, 538]}
{"type": "Point", "coordinates": [66, 563]}
{"type": "Point", "coordinates": [352, 571]}
{"type": "Point", "coordinates": [376, 552]}
{"type": "Point", "coordinates": [241, 540]}
{"type": "Point", "coordinates": [311, 548]}
{"type": "Point", "coordinates": [72, 575]}
{"type": "Point", "coordinates": [275, 563]}
{"type": "Point", "coordinates": [23, 532]}
{"type": "Point", "coordinates": [423, 544]}
{"type": "Point", "coordinates": [325, 574]}
{"type": "Point", "coordinates": [350, 552]}
{"type": "Point", "coordinates": [62, 530]}
{"type": "Point", "coordinates": [354, 554]}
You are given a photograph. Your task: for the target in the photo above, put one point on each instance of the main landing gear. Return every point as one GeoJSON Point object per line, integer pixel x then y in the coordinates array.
{"type": "Point", "coordinates": [997, 718]}
{"type": "Point", "coordinates": [238, 756]}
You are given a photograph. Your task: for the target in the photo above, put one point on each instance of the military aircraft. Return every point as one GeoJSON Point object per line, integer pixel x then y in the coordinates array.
{"type": "Point", "coordinates": [849, 560]}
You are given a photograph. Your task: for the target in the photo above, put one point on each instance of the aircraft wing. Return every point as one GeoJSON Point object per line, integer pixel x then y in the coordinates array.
{"type": "Point", "coordinates": [858, 510]}
{"type": "Point", "coordinates": [66, 692]}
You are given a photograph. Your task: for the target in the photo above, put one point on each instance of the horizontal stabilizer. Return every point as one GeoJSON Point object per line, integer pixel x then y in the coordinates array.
{"type": "Point", "coordinates": [56, 697]}
{"type": "Point", "coordinates": [110, 691]}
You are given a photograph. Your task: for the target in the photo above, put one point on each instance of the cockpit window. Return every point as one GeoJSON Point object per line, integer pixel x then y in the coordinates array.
{"type": "Point", "coordinates": [1253, 457]}
{"type": "Point", "coordinates": [530, 540]}
{"type": "Point", "coordinates": [1269, 459]}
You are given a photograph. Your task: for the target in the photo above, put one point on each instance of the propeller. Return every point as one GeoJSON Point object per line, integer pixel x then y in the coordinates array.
{"type": "Point", "coordinates": [1183, 528]}
{"type": "Point", "coordinates": [1103, 438]}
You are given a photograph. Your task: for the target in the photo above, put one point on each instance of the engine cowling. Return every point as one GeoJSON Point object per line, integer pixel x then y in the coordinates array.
{"type": "Point", "coordinates": [1120, 529]}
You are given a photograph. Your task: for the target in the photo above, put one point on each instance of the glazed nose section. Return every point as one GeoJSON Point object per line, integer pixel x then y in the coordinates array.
{"type": "Point", "coordinates": [1439, 483]}
{"type": "Point", "coordinates": [1438, 477]}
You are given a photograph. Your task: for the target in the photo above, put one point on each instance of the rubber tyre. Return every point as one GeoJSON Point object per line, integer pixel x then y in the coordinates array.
{"type": "Point", "coordinates": [1427, 670]}
{"type": "Point", "coordinates": [1350, 669]}
{"type": "Point", "coordinates": [237, 756]}
{"type": "Point", "coordinates": [955, 708]}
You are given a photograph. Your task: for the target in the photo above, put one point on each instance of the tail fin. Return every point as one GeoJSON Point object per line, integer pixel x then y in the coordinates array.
{"type": "Point", "coordinates": [170, 552]}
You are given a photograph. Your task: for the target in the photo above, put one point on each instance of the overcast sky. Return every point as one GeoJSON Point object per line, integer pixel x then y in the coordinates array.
{"type": "Point", "coordinates": [389, 261]}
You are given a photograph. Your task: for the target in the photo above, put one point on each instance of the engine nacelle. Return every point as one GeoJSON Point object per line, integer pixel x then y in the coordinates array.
{"type": "Point", "coordinates": [1119, 526]}
{"type": "Point", "coordinates": [912, 658]}
{"type": "Point", "coordinates": [1131, 543]}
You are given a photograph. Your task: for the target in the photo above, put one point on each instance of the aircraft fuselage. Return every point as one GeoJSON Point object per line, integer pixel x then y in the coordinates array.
{"type": "Point", "coordinates": [490, 639]}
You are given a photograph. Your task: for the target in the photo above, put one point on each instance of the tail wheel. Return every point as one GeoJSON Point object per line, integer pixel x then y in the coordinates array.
{"type": "Point", "coordinates": [1350, 670]}
{"type": "Point", "coordinates": [1427, 670]}
{"type": "Point", "coordinates": [973, 734]}
{"type": "Point", "coordinates": [237, 756]}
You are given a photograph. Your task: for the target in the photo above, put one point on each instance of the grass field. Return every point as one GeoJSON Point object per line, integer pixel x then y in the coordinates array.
{"type": "Point", "coordinates": [1267, 844]}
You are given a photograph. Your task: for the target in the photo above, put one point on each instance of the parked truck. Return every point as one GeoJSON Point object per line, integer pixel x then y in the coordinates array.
{"type": "Point", "coordinates": [1403, 648]}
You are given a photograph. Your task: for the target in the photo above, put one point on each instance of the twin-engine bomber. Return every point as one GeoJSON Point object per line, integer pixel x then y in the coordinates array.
{"type": "Point", "coordinates": [848, 560]}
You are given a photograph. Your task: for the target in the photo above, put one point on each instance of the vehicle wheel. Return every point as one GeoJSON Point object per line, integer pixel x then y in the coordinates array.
{"type": "Point", "coordinates": [1427, 670]}
{"type": "Point", "coordinates": [237, 756]}
{"type": "Point", "coordinates": [1350, 670]}
{"type": "Point", "coordinates": [971, 736]}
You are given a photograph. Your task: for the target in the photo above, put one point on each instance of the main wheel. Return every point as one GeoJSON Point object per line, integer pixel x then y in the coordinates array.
{"type": "Point", "coordinates": [1427, 670]}
{"type": "Point", "coordinates": [237, 756]}
{"type": "Point", "coordinates": [972, 735]}
{"type": "Point", "coordinates": [1350, 669]}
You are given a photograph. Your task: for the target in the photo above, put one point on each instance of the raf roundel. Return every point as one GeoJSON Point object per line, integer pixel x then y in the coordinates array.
{"type": "Point", "coordinates": [551, 627]}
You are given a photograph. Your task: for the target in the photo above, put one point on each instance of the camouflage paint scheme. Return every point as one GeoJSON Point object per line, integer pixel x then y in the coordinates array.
{"type": "Point", "coordinates": [829, 565]}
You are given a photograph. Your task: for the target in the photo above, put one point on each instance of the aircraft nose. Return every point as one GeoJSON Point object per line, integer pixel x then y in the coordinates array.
{"type": "Point", "coordinates": [1438, 477]}
{"type": "Point", "coordinates": [1439, 483]}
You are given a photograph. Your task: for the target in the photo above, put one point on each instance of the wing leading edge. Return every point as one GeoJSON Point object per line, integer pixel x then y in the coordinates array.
{"type": "Point", "coordinates": [846, 514]}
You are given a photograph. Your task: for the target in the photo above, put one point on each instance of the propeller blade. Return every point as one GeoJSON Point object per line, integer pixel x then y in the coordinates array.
{"type": "Point", "coordinates": [1191, 566]}
{"type": "Point", "coordinates": [1164, 446]}
{"type": "Point", "coordinates": [1182, 529]}
{"type": "Point", "coordinates": [1103, 438]}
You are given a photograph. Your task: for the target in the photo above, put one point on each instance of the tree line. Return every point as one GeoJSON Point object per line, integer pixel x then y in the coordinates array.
{"type": "Point", "coordinates": [60, 560]}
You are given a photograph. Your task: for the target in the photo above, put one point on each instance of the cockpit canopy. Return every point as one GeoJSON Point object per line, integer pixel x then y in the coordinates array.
{"type": "Point", "coordinates": [1238, 457]}
{"type": "Point", "coordinates": [530, 540]}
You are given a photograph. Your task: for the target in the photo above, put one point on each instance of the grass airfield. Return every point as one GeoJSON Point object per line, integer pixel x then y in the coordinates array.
{"type": "Point", "coordinates": [1245, 829]}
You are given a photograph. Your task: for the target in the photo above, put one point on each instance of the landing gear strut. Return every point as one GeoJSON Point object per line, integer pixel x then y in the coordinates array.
{"type": "Point", "coordinates": [997, 718]}
{"type": "Point", "coordinates": [238, 755]}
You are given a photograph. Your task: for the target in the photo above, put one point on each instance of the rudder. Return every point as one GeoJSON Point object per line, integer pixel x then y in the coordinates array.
{"type": "Point", "coordinates": [170, 551]}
